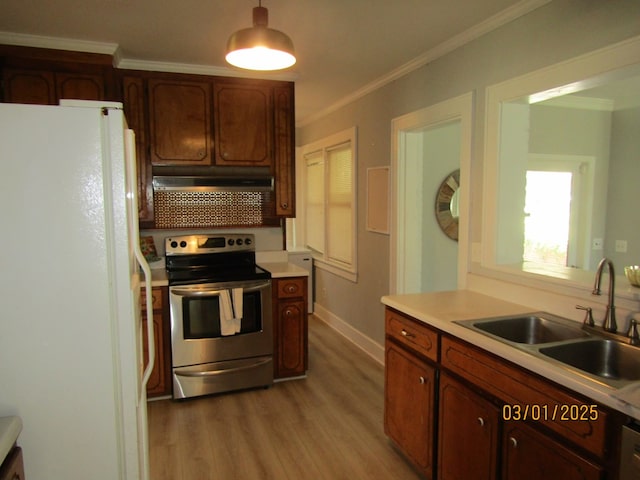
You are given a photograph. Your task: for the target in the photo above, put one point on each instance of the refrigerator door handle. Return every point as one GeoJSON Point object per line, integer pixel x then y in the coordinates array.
{"type": "Point", "coordinates": [144, 265]}
{"type": "Point", "coordinates": [130, 155]}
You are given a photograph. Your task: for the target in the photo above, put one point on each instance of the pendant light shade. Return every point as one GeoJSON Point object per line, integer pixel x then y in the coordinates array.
{"type": "Point", "coordinates": [260, 47]}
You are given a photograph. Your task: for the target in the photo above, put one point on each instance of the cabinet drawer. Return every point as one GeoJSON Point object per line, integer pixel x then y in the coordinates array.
{"type": "Point", "coordinates": [412, 333]}
{"type": "Point", "coordinates": [291, 287]}
{"type": "Point", "coordinates": [157, 296]}
{"type": "Point", "coordinates": [516, 386]}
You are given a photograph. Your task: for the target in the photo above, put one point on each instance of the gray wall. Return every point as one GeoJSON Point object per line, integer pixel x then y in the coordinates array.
{"type": "Point", "coordinates": [439, 252]}
{"type": "Point", "coordinates": [558, 31]}
{"type": "Point", "coordinates": [623, 219]}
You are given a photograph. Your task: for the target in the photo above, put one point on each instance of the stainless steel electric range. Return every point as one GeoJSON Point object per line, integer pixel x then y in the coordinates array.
{"type": "Point", "coordinates": [220, 310]}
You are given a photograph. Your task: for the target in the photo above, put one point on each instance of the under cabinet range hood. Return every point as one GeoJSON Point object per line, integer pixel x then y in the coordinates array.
{"type": "Point", "coordinates": [213, 183]}
{"type": "Point", "coordinates": [211, 201]}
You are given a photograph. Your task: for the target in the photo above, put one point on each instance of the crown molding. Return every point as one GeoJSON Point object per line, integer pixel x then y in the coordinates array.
{"type": "Point", "coordinates": [492, 23]}
{"type": "Point", "coordinates": [56, 43]}
{"type": "Point", "coordinates": [195, 69]}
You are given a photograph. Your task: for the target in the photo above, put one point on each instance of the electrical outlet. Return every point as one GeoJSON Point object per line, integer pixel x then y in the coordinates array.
{"type": "Point", "coordinates": [597, 244]}
{"type": "Point", "coordinates": [621, 246]}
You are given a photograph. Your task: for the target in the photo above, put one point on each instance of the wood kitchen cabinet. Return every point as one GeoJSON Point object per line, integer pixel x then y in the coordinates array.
{"type": "Point", "coordinates": [210, 126]}
{"type": "Point", "coordinates": [134, 103]}
{"type": "Point", "coordinates": [529, 455]}
{"type": "Point", "coordinates": [559, 446]}
{"type": "Point", "coordinates": [41, 76]}
{"type": "Point", "coordinates": [408, 406]}
{"type": "Point", "coordinates": [48, 88]}
{"type": "Point", "coordinates": [468, 428]}
{"type": "Point", "coordinates": [201, 124]}
{"type": "Point", "coordinates": [290, 326]}
{"type": "Point", "coordinates": [180, 122]}
{"type": "Point", "coordinates": [410, 389]}
{"type": "Point", "coordinates": [243, 123]}
{"type": "Point", "coordinates": [160, 379]}
{"type": "Point", "coordinates": [479, 434]}
{"type": "Point", "coordinates": [12, 467]}
{"type": "Point", "coordinates": [284, 151]}
{"type": "Point", "coordinates": [170, 115]}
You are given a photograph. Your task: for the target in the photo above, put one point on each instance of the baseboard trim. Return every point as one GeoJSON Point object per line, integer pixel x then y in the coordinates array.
{"type": "Point", "coordinates": [360, 340]}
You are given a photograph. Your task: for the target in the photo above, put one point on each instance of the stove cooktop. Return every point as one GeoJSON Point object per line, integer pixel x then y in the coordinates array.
{"type": "Point", "coordinates": [192, 259]}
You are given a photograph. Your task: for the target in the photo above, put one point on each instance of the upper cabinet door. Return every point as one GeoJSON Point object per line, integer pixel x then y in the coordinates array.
{"type": "Point", "coordinates": [29, 86]}
{"type": "Point", "coordinates": [80, 86]}
{"type": "Point", "coordinates": [243, 124]}
{"type": "Point", "coordinates": [179, 120]}
{"type": "Point", "coordinates": [47, 87]}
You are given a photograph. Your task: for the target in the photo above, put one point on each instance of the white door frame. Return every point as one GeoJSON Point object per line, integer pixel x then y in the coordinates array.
{"type": "Point", "coordinates": [455, 109]}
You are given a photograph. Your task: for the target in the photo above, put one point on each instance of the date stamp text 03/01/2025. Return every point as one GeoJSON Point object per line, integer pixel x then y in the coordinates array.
{"type": "Point", "coordinates": [555, 412]}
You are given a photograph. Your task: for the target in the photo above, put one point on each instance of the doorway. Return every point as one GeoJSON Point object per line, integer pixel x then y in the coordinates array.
{"type": "Point", "coordinates": [427, 146]}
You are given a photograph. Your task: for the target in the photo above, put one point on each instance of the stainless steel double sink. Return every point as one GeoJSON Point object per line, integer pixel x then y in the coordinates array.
{"type": "Point", "coordinates": [566, 344]}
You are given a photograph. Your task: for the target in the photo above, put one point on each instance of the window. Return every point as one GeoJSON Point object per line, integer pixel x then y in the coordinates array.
{"type": "Point", "coordinates": [557, 210]}
{"type": "Point", "coordinates": [328, 195]}
{"type": "Point", "coordinates": [547, 217]}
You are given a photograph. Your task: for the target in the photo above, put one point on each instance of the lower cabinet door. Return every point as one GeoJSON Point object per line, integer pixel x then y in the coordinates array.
{"type": "Point", "coordinates": [291, 342]}
{"type": "Point", "coordinates": [529, 455]}
{"type": "Point", "coordinates": [467, 433]}
{"type": "Point", "coordinates": [409, 404]}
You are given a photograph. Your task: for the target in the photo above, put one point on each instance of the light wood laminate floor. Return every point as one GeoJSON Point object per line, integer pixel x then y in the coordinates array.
{"type": "Point", "coordinates": [326, 426]}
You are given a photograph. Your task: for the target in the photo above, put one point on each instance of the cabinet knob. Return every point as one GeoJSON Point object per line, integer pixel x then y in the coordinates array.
{"type": "Point", "coordinates": [284, 205]}
{"type": "Point", "coordinates": [513, 442]}
{"type": "Point", "coordinates": [291, 288]}
{"type": "Point", "coordinates": [407, 334]}
{"type": "Point", "coordinates": [288, 312]}
{"type": "Point", "coordinates": [481, 421]}
{"type": "Point", "coordinates": [422, 380]}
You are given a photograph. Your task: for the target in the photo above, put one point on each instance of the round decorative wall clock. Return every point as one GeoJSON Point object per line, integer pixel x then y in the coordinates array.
{"type": "Point", "coordinates": [447, 212]}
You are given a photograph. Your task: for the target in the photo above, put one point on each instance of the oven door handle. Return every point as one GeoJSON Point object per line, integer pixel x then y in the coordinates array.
{"type": "Point", "coordinates": [212, 373]}
{"type": "Point", "coordinates": [202, 292]}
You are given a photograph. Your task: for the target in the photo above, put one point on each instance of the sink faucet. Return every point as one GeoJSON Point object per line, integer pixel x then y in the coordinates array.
{"type": "Point", "coordinates": [609, 322]}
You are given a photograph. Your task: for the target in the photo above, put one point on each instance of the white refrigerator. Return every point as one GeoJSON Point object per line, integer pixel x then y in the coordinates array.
{"type": "Point", "coordinates": [70, 327]}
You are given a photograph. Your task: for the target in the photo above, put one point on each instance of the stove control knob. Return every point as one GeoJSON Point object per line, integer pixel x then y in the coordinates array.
{"type": "Point", "coordinates": [247, 241]}
{"type": "Point", "coordinates": [174, 244]}
{"type": "Point", "coordinates": [183, 244]}
{"type": "Point", "coordinates": [231, 241]}
{"type": "Point", "coordinates": [239, 241]}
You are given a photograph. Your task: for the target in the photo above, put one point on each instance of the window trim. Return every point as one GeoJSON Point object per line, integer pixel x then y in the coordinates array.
{"type": "Point", "coordinates": [321, 259]}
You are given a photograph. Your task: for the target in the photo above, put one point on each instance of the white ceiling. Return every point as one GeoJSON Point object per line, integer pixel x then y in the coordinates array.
{"type": "Point", "coordinates": [344, 47]}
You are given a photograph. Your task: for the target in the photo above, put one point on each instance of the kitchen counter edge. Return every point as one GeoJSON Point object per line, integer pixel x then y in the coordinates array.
{"type": "Point", "coordinates": [283, 269]}
{"type": "Point", "coordinates": [441, 309]}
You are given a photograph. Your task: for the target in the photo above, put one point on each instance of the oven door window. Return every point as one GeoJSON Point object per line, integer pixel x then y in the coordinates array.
{"type": "Point", "coordinates": [201, 315]}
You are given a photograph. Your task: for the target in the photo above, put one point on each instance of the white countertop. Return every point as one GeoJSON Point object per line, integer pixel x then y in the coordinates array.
{"type": "Point", "coordinates": [441, 309]}
{"type": "Point", "coordinates": [159, 277]}
{"type": "Point", "coordinates": [10, 428]}
{"type": "Point", "coordinates": [284, 269]}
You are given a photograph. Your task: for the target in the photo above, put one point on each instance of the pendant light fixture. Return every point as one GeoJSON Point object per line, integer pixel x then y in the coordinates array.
{"type": "Point", "coordinates": [260, 47]}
